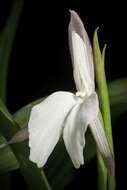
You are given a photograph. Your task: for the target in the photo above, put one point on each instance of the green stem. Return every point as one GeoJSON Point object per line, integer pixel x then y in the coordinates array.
{"type": "Point", "coordinates": [45, 180]}
{"type": "Point", "coordinates": [102, 171]}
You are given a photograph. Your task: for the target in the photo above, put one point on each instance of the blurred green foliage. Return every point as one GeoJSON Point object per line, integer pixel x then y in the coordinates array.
{"type": "Point", "coordinates": [7, 36]}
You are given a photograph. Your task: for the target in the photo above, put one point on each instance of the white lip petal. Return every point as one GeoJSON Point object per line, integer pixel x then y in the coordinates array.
{"type": "Point", "coordinates": [75, 127]}
{"type": "Point", "coordinates": [46, 124]}
{"type": "Point", "coordinates": [81, 53]}
{"type": "Point", "coordinates": [73, 136]}
{"type": "Point", "coordinates": [102, 143]}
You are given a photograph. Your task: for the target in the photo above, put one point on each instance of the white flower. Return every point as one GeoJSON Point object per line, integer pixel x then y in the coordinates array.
{"type": "Point", "coordinates": [67, 114]}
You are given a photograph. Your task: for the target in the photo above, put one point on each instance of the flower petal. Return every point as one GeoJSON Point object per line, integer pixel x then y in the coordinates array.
{"type": "Point", "coordinates": [76, 125]}
{"type": "Point", "coordinates": [82, 56]}
{"type": "Point", "coordinates": [46, 123]}
{"type": "Point", "coordinates": [102, 143]}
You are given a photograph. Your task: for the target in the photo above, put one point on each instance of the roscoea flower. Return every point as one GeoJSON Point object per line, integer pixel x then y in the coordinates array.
{"type": "Point", "coordinates": [68, 114]}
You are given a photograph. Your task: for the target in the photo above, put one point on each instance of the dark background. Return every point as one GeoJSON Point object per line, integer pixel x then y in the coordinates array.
{"type": "Point", "coordinates": [40, 62]}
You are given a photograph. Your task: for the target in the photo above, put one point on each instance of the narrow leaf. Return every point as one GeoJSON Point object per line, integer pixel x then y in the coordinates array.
{"type": "Point", "coordinates": [102, 171]}
{"type": "Point", "coordinates": [118, 97]}
{"type": "Point", "coordinates": [7, 36]}
{"type": "Point", "coordinates": [103, 95]}
{"type": "Point", "coordinates": [8, 161]}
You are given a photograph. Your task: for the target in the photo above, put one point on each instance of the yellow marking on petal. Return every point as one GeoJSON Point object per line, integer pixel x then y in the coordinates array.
{"type": "Point", "coordinates": [80, 94]}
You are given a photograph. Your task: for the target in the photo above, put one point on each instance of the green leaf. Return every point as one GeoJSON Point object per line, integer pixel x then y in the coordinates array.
{"type": "Point", "coordinates": [102, 86]}
{"type": "Point", "coordinates": [8, 161]}
{"type": "Point", "coordinates": [100, 78]}
{"type": "Point", "coordinates": [7, 36]}
{"type": "Point", "coordinates": [31, 173]}
{"type": "Point", "coordinates": [118, 97]}
{"type": "Point", "coordinates": [105, 108]}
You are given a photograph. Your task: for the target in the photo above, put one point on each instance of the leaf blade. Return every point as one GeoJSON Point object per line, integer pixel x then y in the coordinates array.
{"type": "Point", "coordinates": [104, 106]}
{"type": "Point", "coordinates": [6, 42]}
